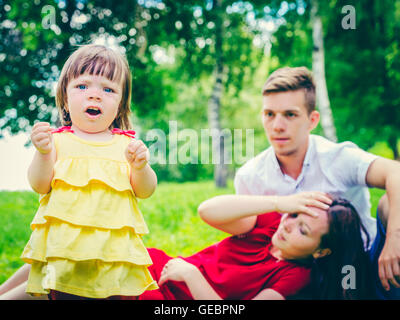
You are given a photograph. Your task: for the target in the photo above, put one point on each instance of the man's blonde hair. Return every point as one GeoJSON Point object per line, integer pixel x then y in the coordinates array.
{"type": "Point", "coordinates": [292, 79]}
{"type": "Point", "coordinates": [96, 60]}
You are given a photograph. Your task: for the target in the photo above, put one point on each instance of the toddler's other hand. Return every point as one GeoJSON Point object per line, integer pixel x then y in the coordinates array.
{"type": "Point", "coordinates": [42, 138]}
{"type": "Point", "coordinates": [137, 154]}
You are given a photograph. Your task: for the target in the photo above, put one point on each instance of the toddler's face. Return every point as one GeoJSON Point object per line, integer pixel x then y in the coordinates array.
{"type": "Point", "coordinates": [92, 102]}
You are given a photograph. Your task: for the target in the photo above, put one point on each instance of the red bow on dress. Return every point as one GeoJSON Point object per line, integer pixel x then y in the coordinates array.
{"type": "Point", "coordinates": [128, 133]}
{"type": "Point", "coordinates": [61, 129]}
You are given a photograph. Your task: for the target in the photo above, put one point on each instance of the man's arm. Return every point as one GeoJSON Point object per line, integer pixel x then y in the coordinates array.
{"type": "Point", "coordinates": [385, 174]}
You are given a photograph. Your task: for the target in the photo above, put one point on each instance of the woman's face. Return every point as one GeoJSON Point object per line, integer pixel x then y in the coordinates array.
{"type": "Point", "coordinates": [299, 235]}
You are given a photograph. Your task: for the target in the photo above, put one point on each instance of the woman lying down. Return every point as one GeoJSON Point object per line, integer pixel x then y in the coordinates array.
{"type": "Point", "coordinates": [279, 246]}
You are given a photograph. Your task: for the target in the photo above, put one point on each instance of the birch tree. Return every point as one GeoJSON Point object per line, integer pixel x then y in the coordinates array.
{"type": "Point", "coordinates": [318, 67]}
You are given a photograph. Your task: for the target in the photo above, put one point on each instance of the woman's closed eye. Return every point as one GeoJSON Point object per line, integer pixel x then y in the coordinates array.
{"type": "Point", "coordinates": [304, 228]}
{"type": "Point", "coordinates": [303, 231]}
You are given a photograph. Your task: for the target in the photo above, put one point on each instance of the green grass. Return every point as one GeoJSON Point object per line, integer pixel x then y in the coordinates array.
{"type": "Point", "coordinates": [171, 215]}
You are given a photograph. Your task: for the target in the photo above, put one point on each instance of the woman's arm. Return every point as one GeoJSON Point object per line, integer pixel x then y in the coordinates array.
{"type": "Point", "coordinates": [237, 214]}
{"type": "Point", "coordinates": [19, 277]}
{"type": "Point", "coordinates": [269, 294]}
{"type": "Point", "coordinates": [179, 270]}
{"type": "Point", "coordinates": [19, 293]}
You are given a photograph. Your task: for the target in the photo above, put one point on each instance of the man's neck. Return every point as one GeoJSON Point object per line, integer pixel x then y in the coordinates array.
{"type": "Point", "coordinates": [292, 164]}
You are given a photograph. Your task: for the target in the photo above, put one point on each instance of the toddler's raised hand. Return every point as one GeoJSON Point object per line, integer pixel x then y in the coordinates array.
{"type": "Point", "coordinates": [41, 137]}
{"type": "Point", "coordinates": [137, 154]}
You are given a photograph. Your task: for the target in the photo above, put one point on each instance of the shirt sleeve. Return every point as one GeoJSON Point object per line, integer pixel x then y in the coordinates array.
{"type": "Point", "coordinates": [352, 165]}
{"type": "Point", "coordinates": [291, 281]}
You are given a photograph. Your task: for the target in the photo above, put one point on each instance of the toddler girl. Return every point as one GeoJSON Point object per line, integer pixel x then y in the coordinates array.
{"type": "Point", "coordinates": [86, 238]}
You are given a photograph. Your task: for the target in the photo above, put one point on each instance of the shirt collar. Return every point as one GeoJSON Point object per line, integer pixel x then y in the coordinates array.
{"type": "Point", "coordinates": [309, 153]}
{"type": "Point", "coordinates": [307, 159]}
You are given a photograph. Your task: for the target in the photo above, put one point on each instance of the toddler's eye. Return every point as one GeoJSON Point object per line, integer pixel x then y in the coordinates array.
{"type": "Point", "coordinates": [108, 90]}
{"type": "Point", "coordinates": [81, 86]}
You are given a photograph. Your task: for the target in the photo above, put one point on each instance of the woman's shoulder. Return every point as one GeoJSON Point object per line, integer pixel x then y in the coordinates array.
{"type": "Point", "coordinates": [266, 225]}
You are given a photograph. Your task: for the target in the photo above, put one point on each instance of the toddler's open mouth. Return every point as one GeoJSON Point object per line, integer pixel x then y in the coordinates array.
{"type": "Point", "coordinates": [93, 111]}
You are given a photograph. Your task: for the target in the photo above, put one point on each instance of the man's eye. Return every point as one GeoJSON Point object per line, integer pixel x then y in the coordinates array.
{"type": "Point", "coordinates": [108, 90]}
{"type": "Point", "coordinates": [290, 115]}
{"type": "Point", "coordinates": [268, 114]}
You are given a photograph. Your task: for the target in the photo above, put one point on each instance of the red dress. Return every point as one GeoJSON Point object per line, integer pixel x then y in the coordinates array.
{"type": "Point", "coordinates": [238, 267]}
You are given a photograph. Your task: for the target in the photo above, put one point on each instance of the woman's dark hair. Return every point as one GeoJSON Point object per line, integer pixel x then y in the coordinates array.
{"type": "Point", "coordinates": [345, 240]}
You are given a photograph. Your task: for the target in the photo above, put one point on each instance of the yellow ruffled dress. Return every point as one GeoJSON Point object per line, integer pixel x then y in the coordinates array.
{"type": "Point", "coordinates": [86, 237]}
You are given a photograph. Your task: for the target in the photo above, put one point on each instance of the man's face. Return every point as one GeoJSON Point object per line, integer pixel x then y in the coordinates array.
{"type": "Point", "coordinates": [287, 123]}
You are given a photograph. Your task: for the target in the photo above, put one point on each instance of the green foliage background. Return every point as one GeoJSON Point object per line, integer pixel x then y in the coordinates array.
{"type": "Point", "coordinates": [362, 65]}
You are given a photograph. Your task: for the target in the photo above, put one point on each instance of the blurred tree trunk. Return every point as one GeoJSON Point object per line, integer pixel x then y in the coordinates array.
{"type": "Point", "coordinates": [214, 103]}
{"type": "Point", "coordinates": [318, 66]}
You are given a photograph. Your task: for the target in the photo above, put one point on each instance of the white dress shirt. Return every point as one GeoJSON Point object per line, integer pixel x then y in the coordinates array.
{"type": "Point", "coordinates": [339, 169]}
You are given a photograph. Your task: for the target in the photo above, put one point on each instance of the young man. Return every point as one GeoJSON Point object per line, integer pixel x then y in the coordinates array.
{"type": "Point", "coordinates": [298, 161]}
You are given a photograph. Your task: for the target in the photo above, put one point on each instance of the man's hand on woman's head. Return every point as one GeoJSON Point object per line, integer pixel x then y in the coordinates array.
{"type": "Point", "coordinates": [303, 203]}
